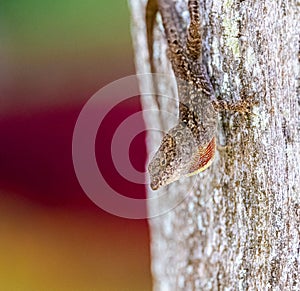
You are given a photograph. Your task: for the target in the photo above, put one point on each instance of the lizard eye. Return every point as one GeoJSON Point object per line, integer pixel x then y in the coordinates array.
{"type": "Point", "coordinates": [163, 162]}
{"type": "Point", "coordinates": [154, 183]}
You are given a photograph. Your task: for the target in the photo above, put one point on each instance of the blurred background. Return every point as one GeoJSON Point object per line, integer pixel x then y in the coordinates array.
{"type": "Point", "coordinates": [54, 55]}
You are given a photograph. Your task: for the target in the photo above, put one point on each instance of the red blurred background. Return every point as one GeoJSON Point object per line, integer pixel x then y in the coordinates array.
{"type": "Point", "coordinates": [54, 56]}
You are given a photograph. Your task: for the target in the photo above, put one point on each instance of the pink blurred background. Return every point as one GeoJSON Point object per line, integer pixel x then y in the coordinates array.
{"type": "Point", "coordinates": [54, 56]}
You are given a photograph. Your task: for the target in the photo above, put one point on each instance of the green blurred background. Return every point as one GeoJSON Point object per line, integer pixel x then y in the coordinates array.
{"type": "Point", "coordinates": [54, 55]}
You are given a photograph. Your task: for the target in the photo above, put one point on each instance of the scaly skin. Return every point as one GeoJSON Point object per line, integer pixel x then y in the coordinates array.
{"type": "Point", "coordinates": [189, 147]}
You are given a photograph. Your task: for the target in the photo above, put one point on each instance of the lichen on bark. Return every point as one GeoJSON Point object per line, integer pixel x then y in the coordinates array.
{"type": "Point", "coordinates": [239, 226]}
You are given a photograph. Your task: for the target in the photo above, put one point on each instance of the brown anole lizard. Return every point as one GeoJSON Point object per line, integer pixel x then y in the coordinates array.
{"type": "Point", "coordinates": [189, 147]}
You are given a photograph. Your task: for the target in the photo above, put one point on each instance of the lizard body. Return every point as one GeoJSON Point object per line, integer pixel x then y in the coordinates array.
{"type": "Point", "coordinates": [190, 146]}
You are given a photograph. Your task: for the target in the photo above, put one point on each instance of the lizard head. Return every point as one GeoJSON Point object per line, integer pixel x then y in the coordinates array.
{"type": "Point", "coordinates": [179, 155]}
{"type": "Point", "coordinates": [163, 168]}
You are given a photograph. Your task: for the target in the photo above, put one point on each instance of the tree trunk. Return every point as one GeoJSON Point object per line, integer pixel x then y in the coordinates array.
{"type": "Point", "coordinates": [238, 227]}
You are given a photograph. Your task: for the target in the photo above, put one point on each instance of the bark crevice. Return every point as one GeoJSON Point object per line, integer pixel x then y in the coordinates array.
{"type": "Point", "coordinates": [239, 227]}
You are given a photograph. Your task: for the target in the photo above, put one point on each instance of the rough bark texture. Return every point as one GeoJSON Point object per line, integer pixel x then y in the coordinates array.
{"type": "Point", "coordinates": [239, 226]}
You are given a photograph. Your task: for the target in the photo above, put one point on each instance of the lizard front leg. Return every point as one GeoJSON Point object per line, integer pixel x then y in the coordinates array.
{"type": "Point", "coordinates": [243, 106]}
{"type": "Point", "coordinates": [189, 147]}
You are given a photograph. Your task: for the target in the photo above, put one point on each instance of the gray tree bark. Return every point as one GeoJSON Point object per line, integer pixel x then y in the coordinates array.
{"type": "Point", "coordinates": [238, 227]}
